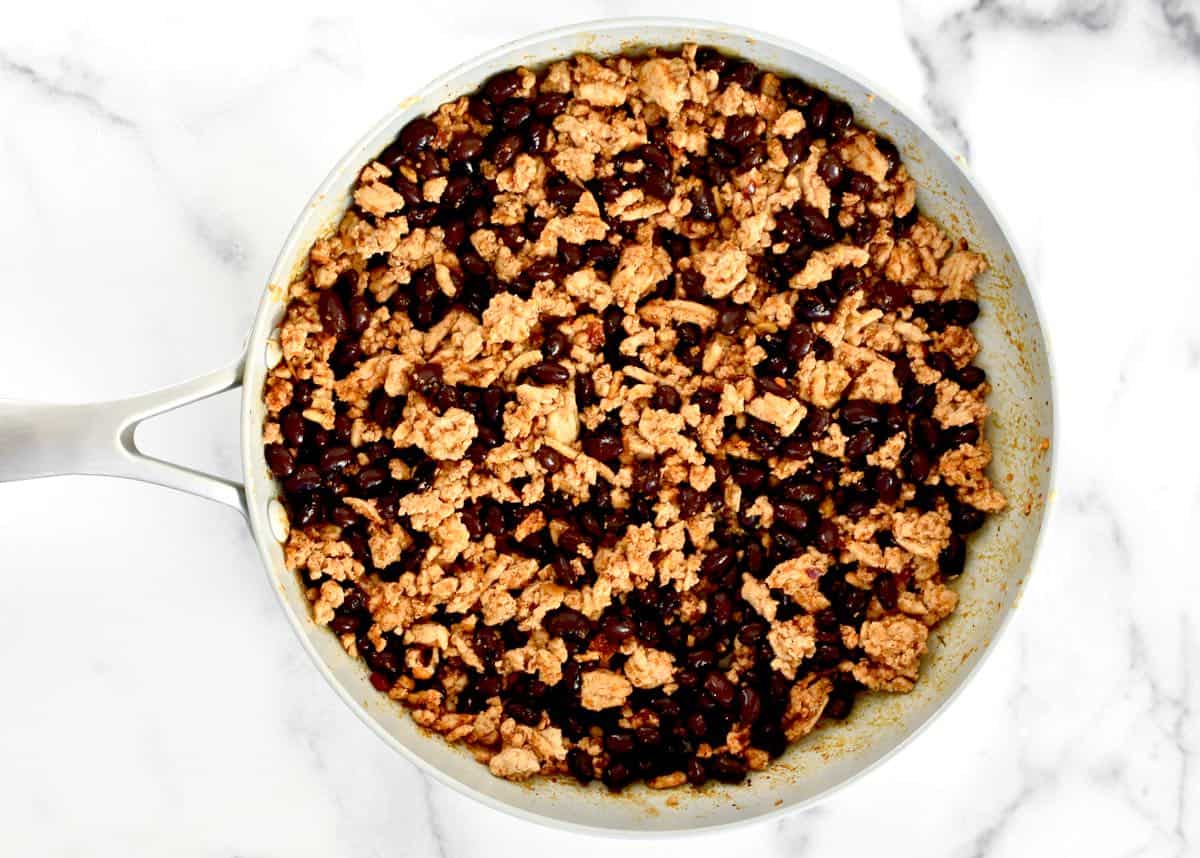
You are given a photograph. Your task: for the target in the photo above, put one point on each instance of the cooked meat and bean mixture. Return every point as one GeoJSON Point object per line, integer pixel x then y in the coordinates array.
{"type": "Point", "coordinates": [628, 424]}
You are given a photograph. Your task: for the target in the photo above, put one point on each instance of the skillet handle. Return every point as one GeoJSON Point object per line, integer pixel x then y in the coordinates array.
{"type": "Point", "coordinates": [46, 440]}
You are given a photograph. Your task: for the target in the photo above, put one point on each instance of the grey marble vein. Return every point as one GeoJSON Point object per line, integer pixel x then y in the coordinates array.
{"type": "Point", "coordinates": [1096, 504]}
{"type": "Point", "coordinates": [54, 89]}
{"type": "Point", "coordinates": [944, 48]}
{"type": "Point", "coordinates": [218, 235]}
{"type": "Point", "coordinates": [1183, 23]}
{"type": "Point", "coordinates": [432, 816]}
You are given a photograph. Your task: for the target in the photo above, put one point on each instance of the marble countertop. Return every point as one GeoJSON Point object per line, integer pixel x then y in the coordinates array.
{"type": "Point", "coordinates": [156, 702]}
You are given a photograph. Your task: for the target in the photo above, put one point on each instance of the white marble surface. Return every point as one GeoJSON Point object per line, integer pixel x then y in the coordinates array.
{"type": "Point", "coordinates": [155, 701]}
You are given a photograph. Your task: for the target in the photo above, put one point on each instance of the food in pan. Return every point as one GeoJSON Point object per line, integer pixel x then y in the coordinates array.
{"type": "Point", "coordinates": [628, 424]}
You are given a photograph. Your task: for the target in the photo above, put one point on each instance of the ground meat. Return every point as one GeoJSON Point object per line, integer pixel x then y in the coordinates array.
{"type": "Point", "coordinates": [627, 423]}
{"type": "Point", "coordinates": [649, 668]}
{"type": "Point", "coordinates": [603, 689]}
{"type": "Point", "coordinates": [792, 642]}
{"type": "Point", "coordinates": [515, 764]}
{"type": "Point", "coordinates": [806, 702]}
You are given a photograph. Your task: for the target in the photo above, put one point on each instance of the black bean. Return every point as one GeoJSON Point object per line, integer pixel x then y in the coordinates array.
{"type": "Point", "coordinates": [860, 444]}
{"type": "Point", "coordinates": [953, 558]}
{"type": "Point", "coordinates": [696, 723]}
{"type": "Point", "coordinates": [800, 341]}
{"type": "Point", "coordinates": [384, 410]}
{"type": "Point", "coordinates": [887, 590]}
{"type": "Point", "coordinates": [743, 74]}
{"type": "Point", "coordinates": [666, 398]}
{"type": "Point", "coordinates": [703, 207]}
{"type": "Point", "coordinates": [827, 539]}
{"type": "Point", "coordinates": [887, 487]}
{"type": "Point", "coordinates": [538, 137]}
{"type": "Point", "coordinates": [523, 714]}
{"type": "Point", "coordinates": [548, 373]}
{"type": "Point", "coordinates": [813, 309]}
{"type": "Point", "coordinates": [754, 155]}
{"type": "Point", "coordinates": [605, 446]}
{"type": "Point", "coordinates": [305, 478]}
{"type": "Point", "coordinates": [966, 519]}
{"type": "Point", "coordinates": [359, 314]}
{"type": "Point", "coordinates": [616, 775]}
{"type": "Point", "coordinates": [792, 515]}
{"type": "Point", "coordinates": [568, 623]}
{"type": "Point", "coordinates": [818, 226]}
{"type": "Point", "coordinates": [860, 412]}
{"type": "Point", "coordinates": [721, 608]}
{"type": "Point", "coordinates": [549, 458]}
{"type": "Point", "coordinates": [709, 59]}
{"type": "Point", "coordinates": [941, 362]}
{"type": "Point", "coordinates": [719, 686]}
{"type": "Point", "coordinates": [333, 313]}
{"type": "Point", "coordinates": [343, 516]}
{"type": "Point", "coordinates": [371, 478]}
{"type": "Point", "coordinates": [618, 628]}
{"type": "Point", "coordinates": [293, 427]}
{"type": "Point", "coordinates": [749, 705]}
{"type": "Point", "coordinates": [506, 149]}
{"type": "Point", "coordinates": [789, 228]}
{"type": "Point", "coordinates": [801, 491]}
{"type": "Point", "coordinates": [305, 510]}
{"type": "Point", "coordinates": [919, 466]}
{"type": "Point", "coordinates": [407, 190]}
{"type": "Point", "coordinates": [279, 460]}
{"type": "Point", "coordinates": [730, 319]}
{"type": "Point", "coordinates": [747, 474]}
{"type": "Point", "coordinates": [619, 743]}
{"type": "Point", "coordinates": [961, 312]}
{"type": "Point", "coordinates": [344, 624]}
{"type": "Point", "coordinates": [545, 268]}
{"type": "Point", "coordinates": [740, 130]}
{"type": "Point", "coordinates": [427, 378]}
{"type": "Point", "coordinates": [894, 419]}
{"type": "Point", "coordinates": [952, 438]}
{"type": "Point", "coordinates": [841, 116]}
{"type": "Point", "coordinates": [515, 114]}
{"type": "Point", "coordinates": [861, 185]}
{"type": "Point", "coordinates": [728, 768]}
{"type": "Point", "coordinates": [829, 168]}
{"type": "Point", "coordinates": [889, 151]}
{"type": "Point", "coordinates": [502, 87]}
{"type": "Point", "coordinates": [918, 397]}
{"type": "Point", "coordinates": [336, 458]}
{"type": "Point", "coordinates": [555, 345]}
{"type": "Point", "coordinates": [422, 215]}
{"type": "Point", "coordinates": [579, 763]}
{"type": "Point", "coordinates": [564, 195]}
{"type": "Point", "coordinates": [818, 113]}
{"type": "Point", "coordinates": [796, 147]}
{"type": "Point", "coordinates": [718, 561]}
{"type": "Point", "coordinates": [550, 104]}
{"type": "Point", "coordinates": [970, 377]}
{"type": "Point", "coordinates": [465, 148]}
{"type": "Point", "coordinates": [585, 390]}
{"type": "Point", "coordinates": [346, 356]}
{"type": "Point", "coordinates": [458, 188]}
{"type": "Point", "coordinates": [417, 135]}
{"type": "Point", "coordinates": [863, 229]}
{"type": "Point", "coordinates": [796, 92]}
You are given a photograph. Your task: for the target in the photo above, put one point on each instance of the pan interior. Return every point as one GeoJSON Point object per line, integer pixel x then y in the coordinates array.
{"type": "Point", "coordinates": [1013, 354]}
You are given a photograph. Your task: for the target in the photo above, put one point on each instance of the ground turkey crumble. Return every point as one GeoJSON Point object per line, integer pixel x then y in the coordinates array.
{"type": "Point", "coordinates": [628, 424]}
